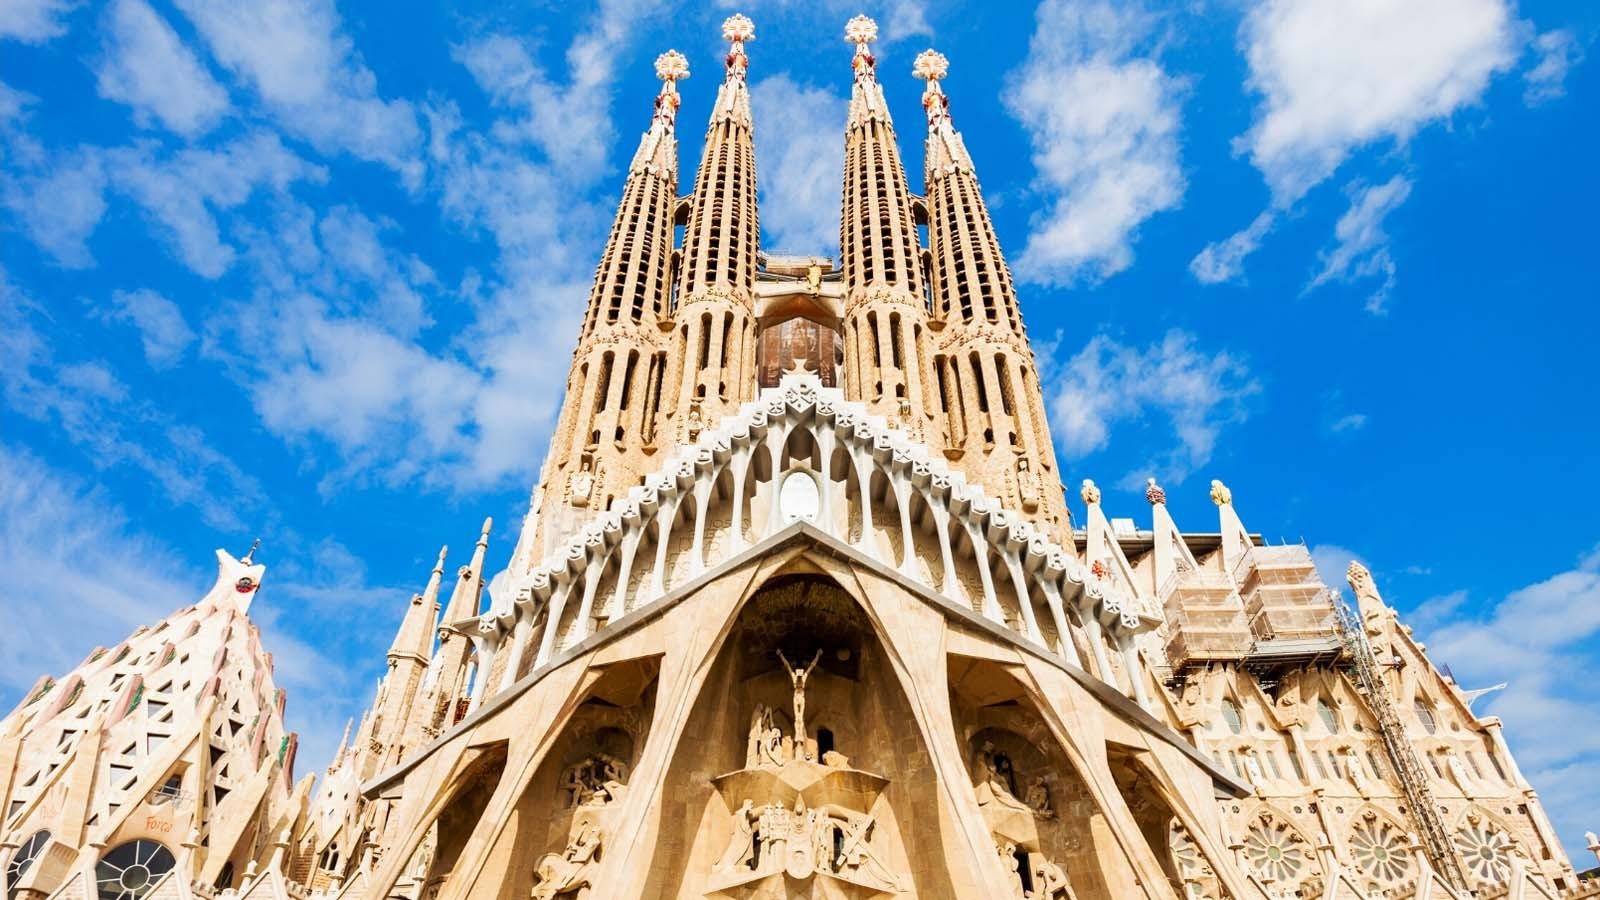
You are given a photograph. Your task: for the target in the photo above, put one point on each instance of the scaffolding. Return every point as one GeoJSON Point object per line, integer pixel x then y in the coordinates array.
{"type": "Point", "coordinates": [1205, 622]}
{"type": "Point", "coordinates": [1424, 811]}
{"type": "Point", "coordinates": [1284, 597]}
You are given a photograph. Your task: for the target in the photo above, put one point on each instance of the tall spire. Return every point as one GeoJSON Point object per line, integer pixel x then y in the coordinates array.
{"type": "Point", "coordinates": [989, 392]}
{"type": "Point", "coordinates": [414, 639]}
{"type": "Point", "coordinates": [885, 329]}
{"type": "Point", "coordinates": [464, 600]}
{"type": "Point", "coordinates": [614, 386]}
{"type": "Point", "coordinates": [716, 289]}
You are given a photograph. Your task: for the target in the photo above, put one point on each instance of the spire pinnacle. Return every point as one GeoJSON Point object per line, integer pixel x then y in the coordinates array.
{"type": "Point", "coordinates": [932, 66]}
{"type": "Point", "coordinates": [862, 31]}
{"type": "Point", "coordinates": [1154, 493]}
{"type": "Point", "coordinates": [736, 30]}
{"type": "Point", "coordinates": [249, 558]}
{"type": "Point", "coordinates": [671, 67]}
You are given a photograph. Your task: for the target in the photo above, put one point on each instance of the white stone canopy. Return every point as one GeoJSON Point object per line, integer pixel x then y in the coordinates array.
{"type": "Point", "coordinates": [722, 494]}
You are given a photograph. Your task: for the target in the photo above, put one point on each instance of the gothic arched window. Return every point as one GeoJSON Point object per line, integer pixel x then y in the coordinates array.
{"type": "Point", "coordinates": [1330, 719]}
{"type": "Point", "coordinates": [1425, 715]}
{"type": "Point", "coordinates": [1230, 714]}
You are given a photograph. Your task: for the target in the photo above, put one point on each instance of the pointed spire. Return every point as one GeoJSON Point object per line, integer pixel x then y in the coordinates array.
{"type": "Point", "coordinates": [464, 600]}
{"type": "Point", "coordinates": [414, 640]}
{"type": "Point", "coordinates": [658, 151]}
{"type": "Point", "coordinates": [931, 66]}
{"type": "Point", "coordinates": [249, 558]}
{"type": "Point", "coordinates": [862, 31]}
{"type": "Point", "coordinates": [866, 94]}
{"type": "Point", "coordinates": [733, 97]}
{"type": "Point", "coordinates": [736, 30]}
{"type": "Point", "coordinates": [946, 151]}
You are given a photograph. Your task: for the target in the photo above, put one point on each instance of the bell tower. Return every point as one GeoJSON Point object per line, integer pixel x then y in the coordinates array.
{"type": "Point", "coordinates": [615, 387]}
{"type": "Point", "coordinates": [885, 311]}
{"type": "Point", "coordinates": [715, 320]}
{"type": "Point", "coordinates": [988, 397]}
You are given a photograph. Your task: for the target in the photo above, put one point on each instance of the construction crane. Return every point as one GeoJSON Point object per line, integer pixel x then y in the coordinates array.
{"type": "Point", "coordinates": [1424, 811]}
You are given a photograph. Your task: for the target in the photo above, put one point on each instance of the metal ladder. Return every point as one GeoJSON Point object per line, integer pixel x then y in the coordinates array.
{"type": "Point", "coordinates": [1413, 781]}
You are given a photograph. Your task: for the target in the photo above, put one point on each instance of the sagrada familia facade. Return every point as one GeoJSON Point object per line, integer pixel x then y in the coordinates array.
{"type": "Point", "coordinates": [799, 610]}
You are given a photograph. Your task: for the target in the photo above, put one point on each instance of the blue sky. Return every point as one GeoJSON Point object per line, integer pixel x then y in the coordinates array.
{"type": "Point", "coordinates": [312, 272]}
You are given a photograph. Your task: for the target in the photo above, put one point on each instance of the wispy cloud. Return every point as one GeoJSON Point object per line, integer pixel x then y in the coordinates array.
{"type": "Point", "coordinates": [69, 550]}
{"type": "Point", "coordinates": [310, 78]}
{"type": "Point", "coordinates": [1536, 637]}
{"type": "Point", "coordinates": [163, 331]}
{"type": "Point", "coordinates": [1335, 78]}
{"type": "Point", "coordinates": [1558, 51]}
{"type": "Point", "coordinates": [96, 411]}
{"type": "Point", "coordinates": [34, 21]}
{"type": "Point", "coordinates": [1184, 393]}
{"type": "Point", "coordinates": [145, 65]}
{"type": "Point", "coordinates": [798, 127]}
{"type": "Point", "coordinates": [1103, 118]}
{"type": "Point", "coordinates": [1361, 248]}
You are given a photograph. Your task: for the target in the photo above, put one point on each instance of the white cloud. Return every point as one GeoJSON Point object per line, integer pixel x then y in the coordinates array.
{"type": "Point", "coordinates": [96, 412]}
{"type": "Point", "coordinates": [1537, 638]}
{"type": "Point", "coordinates": [1337, 77]}
{"type": "Point", "coordinates": [1104, 122]}
{"type": "Point", "coordinates": [1108, 382]}
{"type": "Point", "coordinates": [1348, 422]}
{"type": "Point", "coordinates": [1334, 77]}
{"type": "Point", "coordinates": [1362, 248]}
{"type": "Point", "coordinates": [1558, 52]}
{"type": "Point", "coordinates": [66, 547]}
{"type": "Point", "coordinates": [162, 329]}
{"type": "Point", "coordinates": [800, 129]}
{"type": "Point", "coordinates": [181, 192]}
{"type": "Point", "coordinates": [34, 21]}
{"type": "Point", "coordinates": [1331, 561]}
{"type": "Point", "coordinates": [310, 77]}
{"type": "Point", "coordinates": [147, 66]}
{"type": "Point", "coordinates": [1224, 260]}
{"type": "Point", "coordinates": [898, 19]}
{"type": "Point", "coordinates": [60, 206]}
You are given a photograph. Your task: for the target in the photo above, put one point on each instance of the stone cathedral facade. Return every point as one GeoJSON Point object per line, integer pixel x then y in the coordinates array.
{"type": "Point", "coordinates": [799, 609]}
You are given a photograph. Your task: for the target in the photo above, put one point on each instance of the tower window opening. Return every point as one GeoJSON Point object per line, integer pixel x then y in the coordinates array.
{"type": "Point", "coordinates": [983, 391]}
{"type": "Point", "coordinates": [1004, 372]}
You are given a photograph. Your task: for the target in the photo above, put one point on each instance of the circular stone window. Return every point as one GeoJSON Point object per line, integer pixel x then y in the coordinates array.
{"type": "Point", "coordinates": [799, 499]}
{"type": "Point", "coordinates": [129, 871]}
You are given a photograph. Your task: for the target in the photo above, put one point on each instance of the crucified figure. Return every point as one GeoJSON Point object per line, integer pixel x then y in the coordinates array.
{"type": "Point", "coordinates": [797, 677]}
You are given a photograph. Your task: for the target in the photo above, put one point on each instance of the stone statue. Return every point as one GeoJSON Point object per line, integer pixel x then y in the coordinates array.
{"type": "Point", "coordinates": [855, 854]}
{"type": "Point", "coordinates": [758, 736]}
{"type": "Point", "coordinates": [582, 484]}
{"type": "Point", "coordinates": [742, 847]}
{"type": "Point", "coordinates": [1012, 866]}
{"type": "Point", "coordinates": [595, 781]}
{"type": "Point", "coordinates": [1027, 484]}
{"type": "Point", "coordinates": [1049, 880]}
{"type": "Point", "coordinates": [1038, 798]}
{"type": "Point", "coordinates": [570, 869]}
{"type": "Point", "coordinates": [772, 831]}
{"type": "Point", "coordinates": [797, 678]}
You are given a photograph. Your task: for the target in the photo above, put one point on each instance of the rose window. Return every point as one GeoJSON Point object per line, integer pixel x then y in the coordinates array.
{"type": "Point", "coordinates": [1485, 850]}
{"type": "Point", "coordinates": [1380, 850]}
{"type": "Point", "coordinates": [1274, 851]}
{"type": "Point", "coordinates": [129, 871]}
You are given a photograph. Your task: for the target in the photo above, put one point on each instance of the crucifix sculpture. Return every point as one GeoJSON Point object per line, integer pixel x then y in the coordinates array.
{"type": "Point", "coordinates": [797, 678]}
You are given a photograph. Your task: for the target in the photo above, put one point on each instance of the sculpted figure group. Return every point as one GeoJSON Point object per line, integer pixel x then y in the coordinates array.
{"type": "Point", "coordinates": [829, 838]}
